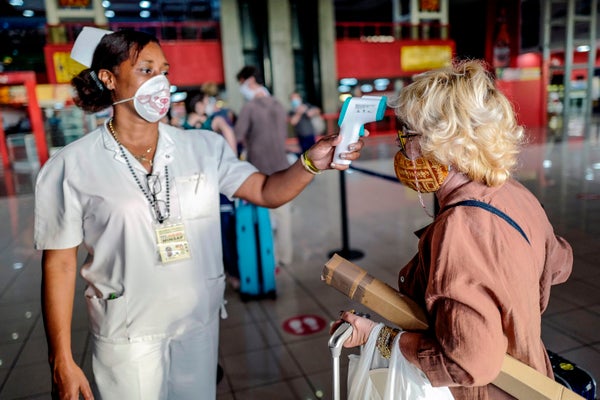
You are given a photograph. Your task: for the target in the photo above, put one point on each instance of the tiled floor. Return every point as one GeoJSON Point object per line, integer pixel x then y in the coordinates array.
{"type": "Point", "coordinates": [260, 358]}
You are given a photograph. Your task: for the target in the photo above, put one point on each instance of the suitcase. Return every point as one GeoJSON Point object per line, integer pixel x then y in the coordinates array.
{"type": "Point", "coordinates": [228, 237]}
{"type": "Point", "coordinates": [256, 257]}
{"type": "Point", "coordinates": [573, 377]}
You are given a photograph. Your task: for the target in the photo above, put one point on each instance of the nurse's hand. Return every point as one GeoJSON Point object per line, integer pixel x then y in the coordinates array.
{"type": "Point", "coordinates": [68, 381]}
{"type": "Point", "coordinates": [321, 153]}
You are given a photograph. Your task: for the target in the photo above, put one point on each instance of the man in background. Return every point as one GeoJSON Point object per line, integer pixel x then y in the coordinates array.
{"type": "Point", "coordinates": [261, 127]}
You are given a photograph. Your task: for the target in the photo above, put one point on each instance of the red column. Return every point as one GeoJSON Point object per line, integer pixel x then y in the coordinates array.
{"type": "Point", "coordinates": [26, 78]}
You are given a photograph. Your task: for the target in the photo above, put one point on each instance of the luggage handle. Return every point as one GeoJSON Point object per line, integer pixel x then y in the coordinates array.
{"type": "Point", "coordinates": [336, 342]}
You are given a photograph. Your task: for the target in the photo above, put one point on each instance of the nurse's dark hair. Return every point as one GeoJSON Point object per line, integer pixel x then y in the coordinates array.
{"type": "Point", "coordinates": [91, 94]}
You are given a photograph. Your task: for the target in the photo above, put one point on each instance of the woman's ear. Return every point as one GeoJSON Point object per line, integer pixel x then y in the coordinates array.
{"type": "Point", "coordinates": [107, 78]}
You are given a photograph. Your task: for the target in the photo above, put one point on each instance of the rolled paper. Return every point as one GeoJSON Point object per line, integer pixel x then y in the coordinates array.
{"type": "Point", "coordinates": [378, 296]}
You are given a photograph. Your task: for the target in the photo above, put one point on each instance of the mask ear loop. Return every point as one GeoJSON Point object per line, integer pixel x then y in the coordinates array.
{"type": "Point", "coordinates": [417, 186]}
{"type": "Point", "coordinates": [420, 194]}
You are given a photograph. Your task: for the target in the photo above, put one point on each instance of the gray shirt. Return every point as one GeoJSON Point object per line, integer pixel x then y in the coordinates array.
{"type": "Point", "coordinates": [262, 127]}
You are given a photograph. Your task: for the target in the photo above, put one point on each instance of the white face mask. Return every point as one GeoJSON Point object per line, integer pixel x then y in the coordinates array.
{"type": "Point", "coordinates": [210, 106]}
{"type": "Point", "coordinates": [152, 99]}
{"type": "Point", "coordinates": [246, 91]}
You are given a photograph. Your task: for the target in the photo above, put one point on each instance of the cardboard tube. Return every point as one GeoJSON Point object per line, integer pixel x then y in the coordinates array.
{"type": "Point", "coordinates": [363, 288]}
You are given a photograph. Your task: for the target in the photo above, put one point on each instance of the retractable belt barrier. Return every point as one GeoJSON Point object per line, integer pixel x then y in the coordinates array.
{"type": "Point", "coordinates": [346, 251]}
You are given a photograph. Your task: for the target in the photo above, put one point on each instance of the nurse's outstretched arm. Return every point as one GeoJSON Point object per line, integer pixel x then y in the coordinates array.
{"type": "Point", "coordinates": [59, 269]}
{"type": "Point", "coordinates": [277, 189]}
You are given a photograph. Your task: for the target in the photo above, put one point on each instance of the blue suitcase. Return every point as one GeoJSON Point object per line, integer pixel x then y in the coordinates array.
{"type": "Point", "coordinates": [256, 258]}
{"type": "Point", "coordinates": [572, 376]}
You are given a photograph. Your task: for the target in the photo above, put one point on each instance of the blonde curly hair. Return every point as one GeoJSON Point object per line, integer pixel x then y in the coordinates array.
{"type": "Point", "coordinates": [464, 120]}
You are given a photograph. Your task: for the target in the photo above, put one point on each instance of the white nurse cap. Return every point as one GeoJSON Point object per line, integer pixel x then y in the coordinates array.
{"type": "Point", "coordinates": [86, 43]}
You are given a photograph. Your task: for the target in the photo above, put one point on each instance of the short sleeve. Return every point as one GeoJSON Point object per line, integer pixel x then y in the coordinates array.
{"type": "Point", "coordinates": [58, 216]}
{"type": "Point", "coordinates": [232, 171]}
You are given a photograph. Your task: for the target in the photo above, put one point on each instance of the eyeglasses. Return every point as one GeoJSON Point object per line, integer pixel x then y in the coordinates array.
{"type": "Point", "coordinates": [160, 207]}
{"type": "Point", "coordinates": [406, 135]}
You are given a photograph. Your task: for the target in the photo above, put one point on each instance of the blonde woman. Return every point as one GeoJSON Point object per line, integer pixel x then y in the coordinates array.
{"type": "Point", "coordinates": [485, 265]}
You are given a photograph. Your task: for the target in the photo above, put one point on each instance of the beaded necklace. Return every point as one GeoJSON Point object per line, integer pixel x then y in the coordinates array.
{"type": "Point", "coordinates": [149, 194]}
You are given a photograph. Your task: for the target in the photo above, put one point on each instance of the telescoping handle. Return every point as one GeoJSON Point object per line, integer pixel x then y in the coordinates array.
{"type": "Point", "coordinates": [336, 342]}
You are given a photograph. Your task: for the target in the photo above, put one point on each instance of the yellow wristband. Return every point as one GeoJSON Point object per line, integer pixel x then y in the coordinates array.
{"type": "Point", "coordinates": [308, 164]}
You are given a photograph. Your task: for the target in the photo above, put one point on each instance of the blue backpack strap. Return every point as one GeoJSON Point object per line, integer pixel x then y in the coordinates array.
{"type": "Point", "coordinates": [492, 209]}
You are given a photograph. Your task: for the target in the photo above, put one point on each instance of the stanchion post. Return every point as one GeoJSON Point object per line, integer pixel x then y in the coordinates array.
{"type": "Point", "coordinates": [345, 251]}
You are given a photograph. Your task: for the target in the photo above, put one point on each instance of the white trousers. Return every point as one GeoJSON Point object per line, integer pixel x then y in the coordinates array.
{"type": "Point", "coordinates": [180, 367]}
{"type": "Point", "coordinates": [281, 222]}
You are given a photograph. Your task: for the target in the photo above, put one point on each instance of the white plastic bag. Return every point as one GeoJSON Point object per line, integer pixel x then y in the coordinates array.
{"type": "Point", "coordinates": [362, 368]}
{"type": "Point", "coordinates": [372, 377]}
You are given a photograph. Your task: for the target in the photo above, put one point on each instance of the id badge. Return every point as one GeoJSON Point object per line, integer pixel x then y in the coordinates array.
{"type": "Point", "coordinates": [172, 242]}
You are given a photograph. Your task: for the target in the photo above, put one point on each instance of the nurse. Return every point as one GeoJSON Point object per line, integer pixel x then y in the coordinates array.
{"type": "Point", "coordinates": [141, 198]}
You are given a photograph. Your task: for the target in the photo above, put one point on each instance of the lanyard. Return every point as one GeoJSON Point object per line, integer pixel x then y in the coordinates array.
{"type": "Point", "coordinates": [160, 213]}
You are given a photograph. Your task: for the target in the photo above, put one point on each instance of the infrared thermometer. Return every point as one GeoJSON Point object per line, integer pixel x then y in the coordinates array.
{"type": "Point", "coordinates": [355, 113]}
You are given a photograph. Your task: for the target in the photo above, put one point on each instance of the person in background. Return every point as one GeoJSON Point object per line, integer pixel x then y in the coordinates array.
{"type": "Point", "coordinates": [216, 104]}
{"type": "Point", "coordinates": [262, 128]}
{"type": "Point", "coordinates": [141, 198]}
{"type": "Point", "coordinates": [485, 265]}
{"type": "Point", "coordinates": [200, 115]}
{"type": "Point", "coordinates": [301, 116]}
{"type": "Point", "coordinates": [177, 112]}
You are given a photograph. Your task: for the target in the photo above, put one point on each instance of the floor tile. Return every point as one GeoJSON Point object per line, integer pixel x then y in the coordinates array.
{"type": "Point", "coordinates": [258, 368]}
{"type": "Point", "coordinates": [261, 360]}
{"type": "Point", "coordinates": [279, 390]}
{"type": "Point", "coordinates": [30, 380]}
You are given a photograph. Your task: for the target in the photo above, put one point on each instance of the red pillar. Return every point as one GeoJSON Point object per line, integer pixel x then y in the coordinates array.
{"type": "Point", "coordinates": [26, 78]}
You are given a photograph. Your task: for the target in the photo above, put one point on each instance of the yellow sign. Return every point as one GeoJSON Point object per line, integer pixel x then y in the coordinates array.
{"type": "Point", "coordinates": [429, 5]}
{"type": "Point", "coordinates": [421, 58]}
{"type": "Point", "coordinates": [519, 74]}
{"type": "Point", "coordinates": [65, 67]}
{"type": "Point", "coordinates": [49, 95]}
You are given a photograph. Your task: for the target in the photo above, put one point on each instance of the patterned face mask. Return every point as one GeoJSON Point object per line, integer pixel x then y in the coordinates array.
{"type": "Point", "coordinates": [152, 99]}
{"type": "Point", "coordinates": [420, 174]}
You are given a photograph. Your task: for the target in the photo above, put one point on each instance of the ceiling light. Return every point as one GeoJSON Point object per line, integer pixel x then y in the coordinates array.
{"type": "Point", "coordinates": [28, 13]}
{"type": "Point", "coordinates": [547, 163]}
{"type": "Point", "coordinates": [178, 97]}
{"type": "Point", "coordinates": [145, 4]}
{"type": "Point", "coordinates": [106, 4]}
{"type": "Point", "coordinates": [348, 81]}
{"type": "Point", "coordinates": [583, 49]}
{"type": "Point", "coordinates": [109, 14]}
{"type": "Point", "coordinates": [144, 14]}
{"type": "Point", "coordinates": [16, 3]}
